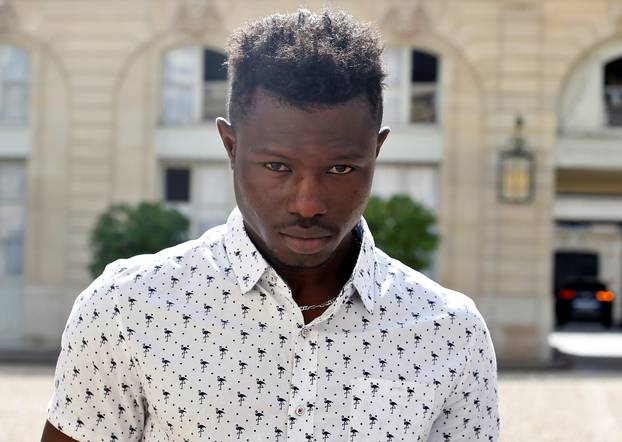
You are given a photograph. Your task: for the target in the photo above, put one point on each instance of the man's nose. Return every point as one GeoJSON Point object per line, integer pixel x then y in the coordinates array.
{"type": "Point", "coordinates": [307, 198]}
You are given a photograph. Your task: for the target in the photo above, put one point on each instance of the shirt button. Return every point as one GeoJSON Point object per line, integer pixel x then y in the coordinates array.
{"type": "Point", "coordinates": [305, 332]}
{"type": "Point", "coordinates": [300, 411]}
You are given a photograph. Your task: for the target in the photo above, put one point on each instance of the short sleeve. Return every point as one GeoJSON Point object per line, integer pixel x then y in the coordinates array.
{"type": "Point", "coordinates": [97, 389]}
{"type": "Point", "coordinates": [471, 412]}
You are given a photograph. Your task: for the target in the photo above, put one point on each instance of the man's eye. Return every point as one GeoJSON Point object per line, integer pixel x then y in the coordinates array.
{"type": "Point", "coordinates": [276, 167]}
{"type": "Point", "coordinates": [340, 169]}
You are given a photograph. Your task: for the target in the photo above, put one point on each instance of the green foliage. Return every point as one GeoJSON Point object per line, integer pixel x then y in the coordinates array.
{"type": "Point", "coordinates": [403, 228]}
{"type": "Point", "coordinates": [123, 231]}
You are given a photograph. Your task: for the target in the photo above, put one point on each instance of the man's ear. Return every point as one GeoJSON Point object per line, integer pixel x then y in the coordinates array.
{"type": "Point", "coordinates": [227, 135]}
{"type": "Point", "coordinates": [382, 136]}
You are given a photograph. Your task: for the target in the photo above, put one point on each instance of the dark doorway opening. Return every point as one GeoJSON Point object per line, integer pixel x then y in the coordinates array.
{"type": "Point", "coordinates": [570, 266]}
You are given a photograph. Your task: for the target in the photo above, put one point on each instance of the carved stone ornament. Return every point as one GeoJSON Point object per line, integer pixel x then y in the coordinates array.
{"type": "Point", "coordinates": [8, 17]}
{"type": "Point", "coordinates": [406, 20]}
{"type": "Point", "coordinates": [197, 16]}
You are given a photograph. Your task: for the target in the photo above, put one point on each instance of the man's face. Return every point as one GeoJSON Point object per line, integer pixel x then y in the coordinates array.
{"type": "Point", "coordinates": [302, 178]}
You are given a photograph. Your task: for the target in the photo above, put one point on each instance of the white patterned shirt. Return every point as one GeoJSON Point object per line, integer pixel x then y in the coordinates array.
{"type": "Point", "coordinates": [203, 341]}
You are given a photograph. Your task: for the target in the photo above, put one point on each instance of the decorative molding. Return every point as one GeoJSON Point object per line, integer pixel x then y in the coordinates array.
{"type": "Point", "coordinates": [8, 17]}
{"type": "Point", "coordinates": [526, 9]}
{"type": "Point", "coordinates": [196, 17]}
{"type": "Point", "coordinates": [407, 20]}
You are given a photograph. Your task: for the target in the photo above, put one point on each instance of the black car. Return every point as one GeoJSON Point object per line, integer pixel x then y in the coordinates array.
{"type": "Point", "coordinates": [584, 298]}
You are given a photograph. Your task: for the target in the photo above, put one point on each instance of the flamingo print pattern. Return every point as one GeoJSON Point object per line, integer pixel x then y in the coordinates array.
{"type": "Point", "coordinates": [203, 341]}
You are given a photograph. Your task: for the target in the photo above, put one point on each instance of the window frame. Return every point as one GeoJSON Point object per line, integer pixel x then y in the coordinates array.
{"type": "Point", "coordinates": [199, 86]}
{"type": "Point", "coordinates": [195, 207]}
{"type": "Point", "coordinates": [405, 88]}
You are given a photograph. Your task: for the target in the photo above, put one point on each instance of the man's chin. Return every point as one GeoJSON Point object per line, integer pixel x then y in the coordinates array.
{"type": "Point", "coordinates": [301, 262]}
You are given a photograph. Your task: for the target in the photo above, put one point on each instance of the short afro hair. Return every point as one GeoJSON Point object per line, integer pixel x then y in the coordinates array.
{"type": "Point", "coordinates": [306, 60]}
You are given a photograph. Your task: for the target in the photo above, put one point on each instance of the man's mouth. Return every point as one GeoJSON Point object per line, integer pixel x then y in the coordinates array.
{"type": "Point", "coordinates": [305, 243]}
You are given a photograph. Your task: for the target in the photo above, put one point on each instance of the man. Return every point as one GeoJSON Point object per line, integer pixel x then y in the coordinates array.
{"type": "Point", "coordinates": [286, 323]}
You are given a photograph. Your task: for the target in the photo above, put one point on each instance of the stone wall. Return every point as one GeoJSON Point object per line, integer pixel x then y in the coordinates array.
{"type": "Point", "coordinates": [94, 111]}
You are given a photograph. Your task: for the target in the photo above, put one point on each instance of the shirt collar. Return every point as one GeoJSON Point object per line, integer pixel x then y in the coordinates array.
{"type": "Point", "coordinates": [249, 266]}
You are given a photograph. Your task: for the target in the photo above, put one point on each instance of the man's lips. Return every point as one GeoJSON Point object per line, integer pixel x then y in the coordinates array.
{"type": "Point", "coordinates": [305, 243]}
{"type": "Point", "coordinates": [302, 233]}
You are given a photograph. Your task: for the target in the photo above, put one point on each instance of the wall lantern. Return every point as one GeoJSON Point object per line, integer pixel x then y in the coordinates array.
{"type": "Point", "coordinates": [516, 170]}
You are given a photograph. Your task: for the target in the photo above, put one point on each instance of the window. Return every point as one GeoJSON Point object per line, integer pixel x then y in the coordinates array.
{"type": "Point", "coordinates": [14, 77]}
{"type": "Point", "coordinates": [591, 100]}
{"type": "Point", "coordinates": [12, 217]}
{"type": "Point", "coordinates": [178, 95]}
{"type": "Point", "coordinates": [177, 185]}
{"type": "Point", "coordinates": [213, 197]}
{"type": "Point", "coordinates": [412, 92]}
{"type": "Point", "coordinates": [613, 92]}
{"type": "Point", "coordinates": [424, 71]}
{"type": "Point", "coordinates": [214, 85]}
{"type": "Point", "coordinates": [194, 86]}
{"type": "Point", "coordinates": [200, 191]}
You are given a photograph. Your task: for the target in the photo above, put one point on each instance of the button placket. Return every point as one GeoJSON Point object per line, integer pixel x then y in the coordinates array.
{"type": "Point", "coordinates": [303, 393]}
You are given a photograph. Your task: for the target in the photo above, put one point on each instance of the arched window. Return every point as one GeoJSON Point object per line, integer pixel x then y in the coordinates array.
{"type": "Point", "coordinates": [412, 94]}
{"type": "Point", "coordinates": [591, 99]}
{"type": "Point", "coordinates": [14, 79]}
{"type": "Point", "coordinates": [613, 92]}
{"type": "Point", "coordinates": [14, 85]}
{"type": "Point", "coordinates": [194, 86]}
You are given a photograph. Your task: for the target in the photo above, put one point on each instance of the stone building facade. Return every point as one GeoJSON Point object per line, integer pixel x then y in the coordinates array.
{"type": "Point", "coordinates": [96, 80]}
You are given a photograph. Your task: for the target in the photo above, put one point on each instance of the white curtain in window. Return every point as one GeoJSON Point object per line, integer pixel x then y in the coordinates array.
{"type": "Point", "coordinates": [14, 78]}
{"type": "Point", "coordinates": [394, 94]}
{"type": "Point", "coordinates": [181, 81]}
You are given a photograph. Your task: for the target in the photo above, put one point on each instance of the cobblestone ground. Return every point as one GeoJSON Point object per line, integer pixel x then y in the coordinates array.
{"type": "Point", "coordinates": [546, 406]}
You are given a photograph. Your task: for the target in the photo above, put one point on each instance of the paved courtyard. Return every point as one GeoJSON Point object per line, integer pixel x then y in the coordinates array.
{"type": "Point", "coordinates": [545, 406]}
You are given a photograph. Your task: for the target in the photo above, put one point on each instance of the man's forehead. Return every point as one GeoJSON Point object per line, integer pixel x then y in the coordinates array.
{"type": "Point", "coordinates": [264, 101]}
{"type": "Point", "coordinates": [292, 136]}
{"type": "Point", "coordinates": [286, 150]}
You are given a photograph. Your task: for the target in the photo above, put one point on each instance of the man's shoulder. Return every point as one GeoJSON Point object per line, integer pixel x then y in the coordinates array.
{"type": "Point", "coordinates": [170, 260]}
{"type": "Point", "coordinates": [142, 274]}
{"type": "Point", "coordinates": [420, 292]}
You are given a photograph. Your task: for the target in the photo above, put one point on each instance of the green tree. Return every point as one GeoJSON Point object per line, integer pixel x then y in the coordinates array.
{"type": "Point", "coordinates": [123, 231]}
{"type": "Point", "coordinates": [403, 228]}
